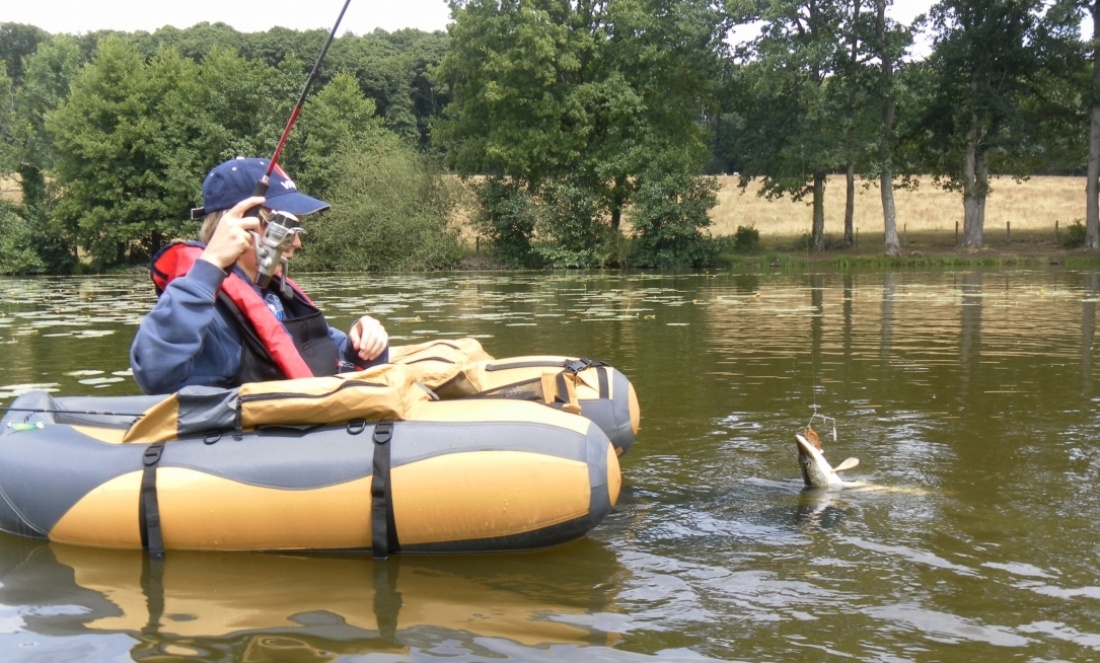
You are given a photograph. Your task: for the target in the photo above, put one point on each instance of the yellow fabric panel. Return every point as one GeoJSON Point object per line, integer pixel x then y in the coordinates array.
{"type": "Point", "coordinates": [336, 398]}
{"type": "Point", "coordinates": [201, 512]}
{"type": "Point", "coordinates": [107, 516]}
{"type": "Point", "coordinates": [614, 475]}
{"type": "Point", "coordinates": [157, 424]}
{"type": "Point", "coordinates": [488, 493]}
{"type": "Point", "coordinates": [493, 410]}
{"type": "Point", "coordinates": [109, 435]}
{"type": "Point", "coordinates": [435, 363]}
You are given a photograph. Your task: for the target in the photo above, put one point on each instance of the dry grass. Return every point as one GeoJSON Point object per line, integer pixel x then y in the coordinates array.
{"type": "Point", "coordinates": [925, 215]}
{"type": "Point", "coordinates": [1029, 205]}
{"type": "Point", "coordinates": [9, 189]}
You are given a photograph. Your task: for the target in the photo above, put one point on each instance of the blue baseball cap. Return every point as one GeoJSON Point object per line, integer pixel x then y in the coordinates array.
{"type": "Point", "coordinates": [231, 182]}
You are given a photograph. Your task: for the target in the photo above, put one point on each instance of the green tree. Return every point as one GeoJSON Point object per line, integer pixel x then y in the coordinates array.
{"type": "Point", "coordinates": [390, 210]}
{"type": "Point", "coordinates": [37, 243]}
{"type": "Point", "coordinates": [670, 212]}
{"type": "Point", "coordinates": [337, 115]}
{"type": "Point", "coordinates": [131, 147]}
{"type": "Point", "coordinates": [886, 47]}
{"type": "Point", "coordinates": [17, 42]}
{"type": "Point", "coordinates": [550, 92]}
{"type": "Point", "coordinates": [790, 132]}
{"type": "Point", "coordinates": [984, 65]}
{"type": "Point", "coordinates": [48, 74]}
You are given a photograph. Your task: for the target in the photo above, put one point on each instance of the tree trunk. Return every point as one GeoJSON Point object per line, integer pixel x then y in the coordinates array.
{"type": "Point", "coordinates": [886, 144]}
{"type": "Point", "coordinates": [1092, 204]}
{"type": "Point", "coordinates": [889, 212]}
{"type": "Point", "coordinates": [975, 190]}
{"type": "Point", "coordinates": [849, 205]}
{"type": "Point", "coordinates": [818, 236]}
{"type": "Point", "coordinates": [618, 199]}
{"type": "Point", "coordinates": [850, 173]}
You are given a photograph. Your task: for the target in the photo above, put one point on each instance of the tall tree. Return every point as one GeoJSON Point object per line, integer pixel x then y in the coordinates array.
{"type": "Point", "coordinates": [134, 138]}
{"type": "Point", "coordinates": [17, 42]}
{"type": "Point", "coordinates": [1092, 193]}
{"type": "Point", "coordinates": [790, 135]}
{"type": "Point", "coordinates": [983, 66]}
{"type": "Point", "coordinates": [888, 46]}
{"type": "Point", "coordinates": [586, 92]}
{"type": "Point", "coordinates": [338, 115]}
{"type": "Point", "coordinates": [48, 74]}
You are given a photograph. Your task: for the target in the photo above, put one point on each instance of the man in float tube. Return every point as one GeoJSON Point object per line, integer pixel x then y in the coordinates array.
{"type": "Point", "coordinates": [213, 325]}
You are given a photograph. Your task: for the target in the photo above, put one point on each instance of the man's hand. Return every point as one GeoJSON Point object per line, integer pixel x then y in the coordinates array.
{"type": "Point", "coordinates": [234, 234]}
{"type": "Point", "coordinates": [368, 337]}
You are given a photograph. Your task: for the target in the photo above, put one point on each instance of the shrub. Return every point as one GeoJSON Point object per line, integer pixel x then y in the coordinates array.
{"type": "Point", "coordinates": [569, 216]}
{"type": "Point", "coordinates": [1074, 237]}
{"type": "Point", "coordinates": [390, 211]}
{"type": "Point", "coordinates": [746, 240]}
{"type": "Point", "coordinates": [506, 216]}
{"type": "Point", "coordinates": [670, 213]}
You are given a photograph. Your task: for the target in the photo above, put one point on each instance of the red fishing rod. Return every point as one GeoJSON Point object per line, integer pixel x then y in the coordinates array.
{"type": "Point", "coordinates": [281, 229]}
{"type": "Point", "coordinates": [261, 186]}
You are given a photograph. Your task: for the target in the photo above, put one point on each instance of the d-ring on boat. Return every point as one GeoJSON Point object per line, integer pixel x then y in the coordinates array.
{"type": "Point", "coordinates": [445, 449]}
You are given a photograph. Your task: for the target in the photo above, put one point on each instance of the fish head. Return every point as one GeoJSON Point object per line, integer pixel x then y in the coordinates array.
{"type": "Point", "coordinates": [816, 471]}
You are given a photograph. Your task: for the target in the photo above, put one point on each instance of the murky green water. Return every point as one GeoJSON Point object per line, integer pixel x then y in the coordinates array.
{"type": "Point", "coordinates": [969, 398]}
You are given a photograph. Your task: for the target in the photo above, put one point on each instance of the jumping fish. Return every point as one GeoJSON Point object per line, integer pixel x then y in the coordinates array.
{"type": "Point", "coordinates": [816, 471]}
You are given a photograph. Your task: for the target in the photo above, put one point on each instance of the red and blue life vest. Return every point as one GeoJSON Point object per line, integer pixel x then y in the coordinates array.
{"type": "Point", "coordinates": [272, 349]}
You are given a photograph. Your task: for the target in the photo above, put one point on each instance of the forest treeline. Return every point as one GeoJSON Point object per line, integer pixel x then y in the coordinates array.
{"type": "Point", "coordinates": [570, 133]}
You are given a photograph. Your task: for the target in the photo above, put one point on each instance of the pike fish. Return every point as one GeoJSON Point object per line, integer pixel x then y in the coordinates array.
{"type": "Point", "coordinates": [816, 471]}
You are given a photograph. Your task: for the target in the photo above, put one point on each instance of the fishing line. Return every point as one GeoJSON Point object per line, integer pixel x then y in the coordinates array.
{"type": "Point", "coordinates": [813, 394]}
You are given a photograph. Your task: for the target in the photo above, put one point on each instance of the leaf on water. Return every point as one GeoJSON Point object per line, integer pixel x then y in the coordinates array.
{"type": "Point", "coordinates": [92, 381]}
{"type": "Point", "coordinates": [94, 333]}
{"type": "Point", "coordinates": [84, 373]}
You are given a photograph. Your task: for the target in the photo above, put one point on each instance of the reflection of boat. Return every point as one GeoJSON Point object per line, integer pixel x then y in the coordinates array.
{"type": "Point", "coordinates": [214, 605]}
{"type": "Point", "coordinates": [347, 462]}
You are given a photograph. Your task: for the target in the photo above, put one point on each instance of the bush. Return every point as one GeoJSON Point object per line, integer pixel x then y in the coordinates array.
{"type": "Point", "coordinates": [390, 211]}
{"type": "Point", "coordinates": [746, 240]}
{"type": "Point", "coordinates": [506, 216]}
{"type": "Point", "coordinates": [670, 211]}
{"type": "Point", "coordinates": [1074, 237]}
{"type": "Point", "coordinates": [569, 216]}
{"type": "Point", "coordinates": [17, 253]}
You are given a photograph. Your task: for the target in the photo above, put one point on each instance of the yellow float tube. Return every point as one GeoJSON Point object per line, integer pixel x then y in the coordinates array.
{"type": "Point", "coordinates": [423, 476]}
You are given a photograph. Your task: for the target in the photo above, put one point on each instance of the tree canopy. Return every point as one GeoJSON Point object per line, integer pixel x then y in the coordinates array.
{"type": "Point", "coordinates": [586, 127]}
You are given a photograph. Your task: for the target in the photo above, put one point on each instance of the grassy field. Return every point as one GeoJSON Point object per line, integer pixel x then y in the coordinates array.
{"type": "Point", "coordinates": [9, 189]}
{"type": "Point", "coordinates": [1020, 217]}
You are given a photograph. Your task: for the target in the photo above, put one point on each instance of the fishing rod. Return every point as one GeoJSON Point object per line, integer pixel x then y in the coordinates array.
{"type": "Point", "coordinates": [281, 229]}
{"type": "Point", "coordinates": [261, 186]}
{"type": "Point", "coordinates": [44, 410]}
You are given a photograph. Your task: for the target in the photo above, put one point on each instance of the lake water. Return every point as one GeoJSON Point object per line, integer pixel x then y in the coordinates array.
{"type": "Point", "coordinates": [969, 397]}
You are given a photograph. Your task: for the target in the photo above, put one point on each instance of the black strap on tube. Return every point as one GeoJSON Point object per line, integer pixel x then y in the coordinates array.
{"type": "Point", "coordinates": [383, 526]}
{"type": "Point", "coordinates": [152, 538]}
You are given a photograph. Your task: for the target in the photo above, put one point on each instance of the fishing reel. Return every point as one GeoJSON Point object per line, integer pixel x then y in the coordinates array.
{"type": "Point", "coordinates": [271, 247]}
